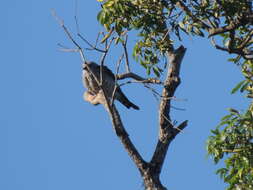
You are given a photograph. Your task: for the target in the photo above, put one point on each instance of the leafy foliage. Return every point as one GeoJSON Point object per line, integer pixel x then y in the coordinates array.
{"type": "Point", "coordinates": [234, 138]}
{"type": "Point", "coordinates": [147, 18]}
{"type": "Point", "coordinates": [155, 20]}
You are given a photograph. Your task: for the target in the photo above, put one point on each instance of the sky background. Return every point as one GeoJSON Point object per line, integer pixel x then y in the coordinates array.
{"type": "Point", "coordinates": [50, 139]}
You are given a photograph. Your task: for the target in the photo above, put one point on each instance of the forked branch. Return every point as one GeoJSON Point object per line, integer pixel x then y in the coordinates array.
{"type": "Point", "coordinates": [167, 131]}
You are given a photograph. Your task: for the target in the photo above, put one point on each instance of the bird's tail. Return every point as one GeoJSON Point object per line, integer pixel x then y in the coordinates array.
{"type": "Point", "coordinates": [124, 100]}
{"type": "Point", "coordinates": [130, 105]}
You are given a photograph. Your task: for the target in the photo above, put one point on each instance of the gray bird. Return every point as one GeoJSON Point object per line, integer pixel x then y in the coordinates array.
{"type": "Point", "coordinates": [92, 70]}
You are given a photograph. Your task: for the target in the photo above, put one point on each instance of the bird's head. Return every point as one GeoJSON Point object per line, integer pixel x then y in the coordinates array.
{"type": "Point", "coordinates": [90, 64]}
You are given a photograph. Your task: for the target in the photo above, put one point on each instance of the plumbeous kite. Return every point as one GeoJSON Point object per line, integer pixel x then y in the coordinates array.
{"type": "Point", "coordinates": [94, 94]}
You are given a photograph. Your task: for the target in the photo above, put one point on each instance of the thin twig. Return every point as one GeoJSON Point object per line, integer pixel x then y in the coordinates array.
{"type": "Point", "coordinates": [116, 85]}
{"type": "Point", "coordinates": [243, 53]}
{"type": "Point", "coordinates": [107, 47]}
{"type": "Point", "coordinates": [153, 90]}
{"type": "Point", "coordinates": [68, 50]}
{"type": "Point", "coordinates": [165, 35]}
{"type": "Point", "coordinates": [76, 20]}
{"type": "Point", "coordinates": [124, 44]}
{"type": "Point", "coordinates": [246, 40]}
{"type": "Point", "coordinates": [98, 35]}
{"type": "Point", "coordinates": [61, 23]}
{"type": "Point", "coordinates": [138, 78]}
{"type": "Point", "coordinates": [179, 109]}
{"type": "Point", "coordinates": [89, 44]}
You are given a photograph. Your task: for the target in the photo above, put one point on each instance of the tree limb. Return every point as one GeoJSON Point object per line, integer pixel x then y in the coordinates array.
{"type": "Point", "coordinates": [230, 27]}
{"type": "Point", "coordinates": [239, 51]}
{"type": "Point", "coordinates": [138, 78]}
{"type": "Point", "coordinates": [167, 132]}
{"type": "Point", "coordinates": [124, 137]}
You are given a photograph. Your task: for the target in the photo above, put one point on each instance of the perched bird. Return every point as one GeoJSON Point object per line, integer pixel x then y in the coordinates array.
{"type": "Point", "coordinates": [91, 77]}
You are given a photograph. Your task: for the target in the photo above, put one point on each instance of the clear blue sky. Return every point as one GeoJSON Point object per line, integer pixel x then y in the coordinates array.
{"type": "Point", "coordinates": [50, 139]}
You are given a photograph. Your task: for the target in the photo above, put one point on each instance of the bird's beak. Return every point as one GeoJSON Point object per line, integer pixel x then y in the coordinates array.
{"type": "Point", "coordinates": [84, 66]}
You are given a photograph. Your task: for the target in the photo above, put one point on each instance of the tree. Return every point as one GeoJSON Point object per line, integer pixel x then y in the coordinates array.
{"type": "Point", "coordinates": [233, 137]}
{"type": "Point", "coordinates": [160, 25]}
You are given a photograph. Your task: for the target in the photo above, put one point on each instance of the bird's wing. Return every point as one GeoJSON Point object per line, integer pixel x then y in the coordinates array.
{"type": "Point", "coordinates": [108, 72]}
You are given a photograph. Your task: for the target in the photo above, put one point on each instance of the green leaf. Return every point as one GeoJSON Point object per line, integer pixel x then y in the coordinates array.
{"type": "Point", "coordinates": [240, 172]}
{"type": "Point", "coordinates": [244, 86]}
{"type": "Point", "coordinates": [181, 25]}
{"type": "Point", "coordinates": [226, 117]}
{"type": "Point", "coordinates": [222, 172]}
{"type": "Point", "coordinates": [233, 111]}
{"type": "Point", "coordinates": [216, 131]}
{"type": "Point", "coordinates": [237, 87]}
{"type": "Point", "coordinates": [100, 16]}
{"type": "Point", "coordinates": [156, 71]}
{"type": "Point", "coordinates": [224, 122]}
{"type": "Point", "coordinates": [143, 64]}
{"type": "Point", "coordinates": [198, 32]}
{"type": "Point", "coordinates": [107, 36]}
{"type": "Point", "coordinates": [232, 60]}
{"type": "Point", "coordinates": [148, 70]}
{"type": "Point", "coordinates": [117, 40]}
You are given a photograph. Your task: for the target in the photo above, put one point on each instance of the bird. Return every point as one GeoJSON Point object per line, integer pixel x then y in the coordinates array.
{"type": "Point", "coordinates": [91, 78]}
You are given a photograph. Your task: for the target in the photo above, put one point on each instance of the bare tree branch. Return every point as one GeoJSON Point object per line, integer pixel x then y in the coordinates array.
{"type": "Point", "coordinates": [246, 40]}
{"type": "Point", "coordinates": [66, 49]}
{"type": "Point", "coordinates": [167, 132]}
{"type": "Point", "coordinates": [121, 132]}
{"type": "Point", "coordinates": [181, 126]}
{"type": "Point", "coordinates": [138, 78]}
{"type": "Point", "coordinates": [61, 22]}
{"type": "Point", "coordinates": [89, 44]}
{"type": "Point", "coordinates": [124, 137]}
{"type": "Point", "coordinates": [232, 26]}
{"type": "Point", "coordinates": [107, 47]}
{"type": "Point", "coordinates": [239, 51]}
{"type": "Point", "coordinates": [116, 80]}
{"type": "Point", "coordinates": [124, 44]}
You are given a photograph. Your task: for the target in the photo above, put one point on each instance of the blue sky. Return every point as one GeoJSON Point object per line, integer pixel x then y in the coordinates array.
{"type": "Point", "coordinates": [51, 139]}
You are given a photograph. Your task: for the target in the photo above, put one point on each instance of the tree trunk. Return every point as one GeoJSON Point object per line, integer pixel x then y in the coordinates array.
{"type": "Point", "coordinates": [150, 171]}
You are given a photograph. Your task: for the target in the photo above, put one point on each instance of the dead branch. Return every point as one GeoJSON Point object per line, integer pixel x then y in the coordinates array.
{"type": "Point", "coordinates": [116, 80]}
{"type": "Point", "coordinates": [138, 78]}
{"type": "Point", "coordinates": [239, 51]}
{"type": "Point", "coordinates": [107, 47]}
{"type": "Point", "coordinates": [124, 44]}
{"type": "Point", "coordinates": [61, 23]}
{"type": "Point", "coordinates": [66, 49]}
{"type": "Point", "coordinates": [89, 44]}
{"type": "Point", "coordinates": [167, 132]}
